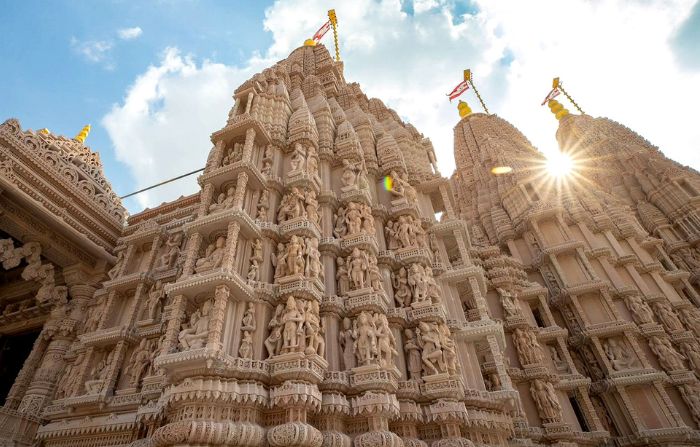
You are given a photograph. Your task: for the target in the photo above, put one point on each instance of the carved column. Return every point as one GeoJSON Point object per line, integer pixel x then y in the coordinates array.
{"type": "Point", "coordinates": [234, 229]}
{"type": "Point", "coordinates": [241, 184]}
{"type": "Point", "coordinates": [193, 244]}
{"type": "Point", "coordinates": [216, 321]}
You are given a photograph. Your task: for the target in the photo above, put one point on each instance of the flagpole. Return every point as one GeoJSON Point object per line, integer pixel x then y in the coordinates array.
{"type": "Point", "coordinates": [557, 84]}
{"type": "Point", "coordinates": [468, 78]}
{"type": "Point", "coordinates": [334, 22]}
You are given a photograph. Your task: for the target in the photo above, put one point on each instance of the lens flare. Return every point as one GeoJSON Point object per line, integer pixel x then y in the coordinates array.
{"type": "Point", "coordinates": [559, 164]}
{"type": "Point", "coordinates": [388, 183]}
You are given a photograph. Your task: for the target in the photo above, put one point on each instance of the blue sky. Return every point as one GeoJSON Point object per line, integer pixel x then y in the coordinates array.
{"type": "Point", "coordinates": [155, 78]}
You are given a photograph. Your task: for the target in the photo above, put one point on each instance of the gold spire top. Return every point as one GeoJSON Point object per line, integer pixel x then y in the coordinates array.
{"type": "Point", "coordinates": [45, 131]}
{"type": "Point", "coordinates": [83, 134]}
{"type": "Point", "coordinates": [464, 109]}
{"type": "Point", "coordinates": [309, 43]}
{"type": "Point", "coordinates": [557, 109]}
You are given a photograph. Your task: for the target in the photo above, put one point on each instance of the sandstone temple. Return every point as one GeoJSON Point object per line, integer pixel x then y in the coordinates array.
{"type": "Point", "coordinates": [327, 286]}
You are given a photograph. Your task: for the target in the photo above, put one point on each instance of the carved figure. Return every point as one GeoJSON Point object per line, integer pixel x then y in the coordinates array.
{"type": "Point", "coordinates": [667, 317]}
{"type": "Point", "coordinates": [347, 345]}
{"type": "Point", "coordinates": [114, 271]}
{"type": "Point", "coordinates": [619, 357]}
{"type": "Point", "coordinates": [353, 218]}
{"type": "Point", "coordinates": [357, 268]}
{"type": "Point", "coordinates": [280, 261]}
{"type": "Point", "coordinates": [339, 227]}
{"type": "Point", "coordinates": [292, 205]}
{"type": "Point", "coordinates": [529, 350]}
{"type": "Point", "coordinates": [312, 206]}
{"type": "Point", "coordinates": [669, 358]}
{"type": "Point", "coordinates": [224, 200]}
{"type": "Point", "coordinates": [213, 256]}
{"type": "Point", "coordinates": [138, 364]}
{"type": "Point", "coordinates": [291, 321]}
{"type": "Point", "coordinates": [402, 292]}
{"type": "Point", "coordinates": [314, 267]}
{"type": "Point", "coordinates": [691, 351]}
{"type": "Point", "coordinates": [364, 334]}
{"type": "Point", "coordinates": [273, 343]}
{"type": "Point", "coordinates": [510, 308]}
{"type": "Point", "coordinates": [172, 251]}
{"type": "Point", "coordinates": [248, 321]}
{"type": "Point", "coordinates": [295, 256]}
{"type": "Point", "coordinates": [431, 348]}
{"type": "Point", "coordinates": [194, 335]}
{"type": "Point", "coordinates": [245, 351]}
{"type": "Point", "coordinates": [153, 305]}
{"type": "Point", "coordinates": [546, 400]}
{"type": "Point", "coordinates": [639, 309]}
{"type": "Point", "coordinates": [298, 161]}
{"type": "Point", "coordinates": [341, 275]}
{"type": "Point", "coordinates": [94, 315]}
{"type": "Point", "coordinates": [386, 343]}
{"type": "Point", "coordinates": [263, 205]}
{"type": "Point", "coordinates": [414, 363]}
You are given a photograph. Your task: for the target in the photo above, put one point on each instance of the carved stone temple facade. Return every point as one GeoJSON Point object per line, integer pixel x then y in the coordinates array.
{"type": "Point", "coordinates": [328, 287]}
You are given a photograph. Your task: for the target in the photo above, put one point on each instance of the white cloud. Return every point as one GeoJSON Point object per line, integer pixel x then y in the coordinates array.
{"type": "Point", "coordinates": [604, 52]}
{"type": "Point", "coordinates": [95, 51]}
{"type": "Point", "coordinates": [129, 33]}
{"type": "Point", "coordinates": [162, 128]}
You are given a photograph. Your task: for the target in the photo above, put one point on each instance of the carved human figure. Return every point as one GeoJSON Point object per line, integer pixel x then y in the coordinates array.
{"type": "Point", "coordinates": [245, 351]}
{"type": "Point", "coordinates": [68, 383]}
{"type": "Point", "coordinates": [667, 317]}
{"type": "Point", "coordinates": [391, 231]}
{"type": "Point", "coordinates": [312, 161]}
{"type": "Point", "coordinates": [314, 267]}
{"type": "Point", "coordinates": [114, 271]}
{"type": "Point", "coordinates": [414, 363]}
{"type": "Point", "coordinates": [375, 276]}
{"type": "Point", "coordinates": [559, 363]}
{"type": "Point", "coordinates": [138, 364]}
{"type": "Point", "coordinates": [347, 345]}
{"type": "Point", "coordinates": [233, 153]}
{"type": "Point", "coordinates": [669, 358]}
{"type": "Point", "coordinates": [358, 267]}
{"type": "Point", "coordinates": [311, 206]}
{"type": "Point", "coordinates": [510, 308]}
{"type": "Point", "coordinates": [248, 321]}
{"type": "Point", "coordinates": [152, 307]}
{"type": "Point", "coordinates": [224, 200]}
{"type": "Point", "coordinates": [431, 349]}
{"type": "Point", "coordinates": [691, 351]}
{"type": "Point", "coordinates": [418, 281]}
{"type": "Point", "coordinates": [280, 261]}
{"type": "Point", "coordinates": [449, 349]}
{"type": "Point", "coordinates": [341, 275]}
{"type": "Point", "coordinates": [172, 251]}
{"type": "Point", "coordinates": [528, 348]}
{"type": "Point", "coordinates": [618, 356]}
{"type": "Point", "coordinates": [691, 318]}
{"type": "Point", "coordinates": [691, 394]}
{"type": "Point", "coordinates": [291, 321]}
{"type": "Point", "coordinates": [433, 289]}
{"type": "Point", "coordinates": [386, 343]}
{"type": "Point", "coordinates": [273, 343]}
{"type": "Point", "coordinates": [94, 315]}
{"type": "Point", "coordinates": [298, 161]}
{"type": "Point", "coordinates": [402, 292]}
{"type": "Point", "coordinates": [292, 205]}
{"type": "Point", "coordinates": [339, 226]}
{"type": "Point", "coordinates": [353, 218]}
{"type": "Point", "coordinates": [546, 400]}
{"type": "Point", "coordinates": [101, 369]}
{"type": "Point", "coordinates": [349, 177]}
{"type": "Point", "coordinates": [266, 167]}
{"type": "Point", "coordinates": [213, 256]}
{"type": "Point", "coordinates": [364, 334]}
{"type": "Point", "coordinates": [295, 256]}
{"type": "Point", "coordinates": [639, 309]}
{"type": "Point", "coordinates": [263, 205]}
{"type": "Point", "coordinates": [194, 335]}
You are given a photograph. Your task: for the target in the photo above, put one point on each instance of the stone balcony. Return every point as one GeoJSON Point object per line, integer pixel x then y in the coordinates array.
{"type": "Point", "coordinates": [229, 173]}
{"type": "Point", "coordinates": [366, 300]}
{"type": "Point", "coordinates": [195, 284]}
{"type": "Point", "coordinates": [108, 336]}
{"type": "Point", "coordinates": [299, 226]}
{"type": "Point", "coordinates": [362, 241]}
{"type": "Point", "coordinates": [210, 223]}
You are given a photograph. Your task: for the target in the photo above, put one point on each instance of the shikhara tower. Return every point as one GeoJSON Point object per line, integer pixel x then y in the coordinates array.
{"type": "Point", "coordinates": [308, 295]}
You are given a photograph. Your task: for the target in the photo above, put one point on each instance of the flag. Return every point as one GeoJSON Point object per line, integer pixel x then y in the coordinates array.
{"type": "Point", "coordinates": [461, 88]}
{"type": "Point", "coordinates": [551, 95]}
{"type": "Point", "coordinates": [322, 31]}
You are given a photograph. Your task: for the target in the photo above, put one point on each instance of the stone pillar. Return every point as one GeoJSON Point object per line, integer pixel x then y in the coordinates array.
{"type": "Point", "coordinates": [241, 184]}
{"type": "Point", "coordinates": [192, 249]}
{"type": "Point", "coordinates": [234, 229]}
{"type": "Point", "coordinates": [216, 319]}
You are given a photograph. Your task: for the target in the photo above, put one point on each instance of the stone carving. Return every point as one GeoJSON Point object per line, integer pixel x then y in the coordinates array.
{"type": "Point", "coordinates": [292, 322]}
{"type": "Point", "coordinates": [194, 334]}
{"type": "Point", "coordinates": [313, 267]}
{"type": "Point", "coordinates": [340, 228]}
{"type": "Point", "coordinates": [233, 154]}
{"type": "Point", "coordinates": [669, 358]}
{"type": "Point", "coordinates": [342, 276]}
{"type": "Point", "coordinates": [402, 292]}
{"type": "Point", "coordinates": [263, 205]}
{"type": "Point", "coordinates": [224, 200]}
{"type": "Point", "coordinates": [172, 251]}
{"type": "Point", "coordinates": [414, 360]}
{"type": "Point", "coordinates": [255, 259]}
{"type": "Point", "coordinates": [667, 317]}
{"type": "Point", "coordinates": [94, 315]}
{"type": "Point", "coordinates": [245, 351]}
{"type": "Point", "coordinates": [401, 188]}
{"type": "Point", "coordinates": [691, 351]}
{"type": "Point", "coordinates": [374, 343]}
{"type": "Point", "coordinates": [34, 270]}
{"type": "Point", "coordinates": [354, 176]}
{"type": "Point", "coordinates": [620, 358]}
{"type": "Point", "coordinates": [355, 218]}
{"type": "Point", "coordinates": [138, 364]}
{"type": "Point", "coordinates": [248, 326]}
{"type": "Point", "coordinates": [153, 306]}
{"type": "Point", "coordinates": [691, 395]}
{"type": "Point", "coordinates": [69, 382]}
{"type": "Point", "coordinates": [510, 308]}
{"type": "Point", "coordinates": [406, 232]}
{"type": "Point", "coordinates": [546, 400]}
{"type": "Point", "coordinates": [292, 206]}
{"type": "Point", "coordinates": [430, 342]}
{"type": "Point", "coordinates": [559, 363]}
{"type": "Point", "coordinates": [100, 370]}
{"type": "Point", "coordinates": [295, 258]}
{"type": "Point", "coordinates": [273, 343]}
{"type": "Point", "coordinates": [529, 350]}
{"type": "Point", "coordinates": [311, 206]}
{"type": "Point", "coordinates": [213, 256]}
{"type": "Point", "coordinates": [114, 271]}
{"type": "Point", "coordinates": [639, 309]}
{"type": "Point", "coordinates": [691, 318]}
{"type": "Point", "coordinates": [346, 341]}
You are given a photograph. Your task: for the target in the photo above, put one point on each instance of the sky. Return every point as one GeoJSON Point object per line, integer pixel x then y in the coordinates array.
{"type": "Point", "coordinates": [155, 78]}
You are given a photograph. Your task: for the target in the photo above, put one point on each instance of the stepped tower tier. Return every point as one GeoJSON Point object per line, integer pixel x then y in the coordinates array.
{"type": "Point", "coordinates": [593, 308]}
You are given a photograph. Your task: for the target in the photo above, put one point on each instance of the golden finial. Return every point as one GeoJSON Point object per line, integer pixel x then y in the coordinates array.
{"type": "Point", "coordinates": [83, 134]}
{"type": "Point", "coordinates": [557, 109]}
{"type": "Point", "coordinates": [334, 23]}
{"type": "Point", "coordinates": [45, 131]}
{"type": "Point", "coordinates": [309, 43]}
{"type": "Point", "coordinates": [464, 109]}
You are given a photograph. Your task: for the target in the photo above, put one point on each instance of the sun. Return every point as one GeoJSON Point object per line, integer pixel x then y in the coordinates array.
{"type": "Point", "coordinates": [559, 164]}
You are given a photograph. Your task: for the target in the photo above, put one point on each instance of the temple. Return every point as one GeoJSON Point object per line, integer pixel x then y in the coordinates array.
{"type": "Point", "coordinates": [327, 286]}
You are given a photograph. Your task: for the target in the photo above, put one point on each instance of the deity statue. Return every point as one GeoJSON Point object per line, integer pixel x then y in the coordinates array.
{"type": "Point", "coordinates": [347, 345]}
{"type": "Point", "coordinates": [418, 281]}
{"type": "Point", "coordinates": [68, 383]}
{"type": "Point", "coordinates": [358, 266]}
{"type": "Point", "coordinates": [618, 356]}
{"type": "Point", "coordinates": [510, 308]}
{"type": "Point", "coordinates": [375, 276]}
{"type": "Point", "coordinates": [667, 317]}
{"type": "Point", "coordinates": [691, 318]}
{"type": "Point", "coordinates": [639, 309]}
{"type": "Point", "coordinates": [194, 335]}
{"type": "Point", "coordinates": [263, 205]}
{"type": "Point", "coordinates": [94, 315]}
{"type": "Point", "coordinates": [312, 206]}
{"type": "Point", "coordinates": [349, 177]}
{"type": "Point", "coordinates": [353, 218]}
{"type": "Point", "coordinates": [266, 167]}
{"type": "Point", "coordinates": [114, 271]}
{"type": "Point", "coordinates": [341, 275]}
{"type": "Point", "coordinates": [546, 400]}
{"type": "Point", "coordinates": [365, 339]}
{"type": "Point", "coordinates": [314, 267]}
{"type": "Point", "coordinates": [529, 350]}
{"type": "Point", "coordinates": [245, 351]}
{"type": "Point", "coordinates": [292, 206]}
{"type": "Point", "coordinates": [414, 362]}
{"type": "Point", "coordinates": [172, 251]}
{"type": "Point", "coordinates": [273, 343]}
{"type": "Point", "coordinates": [391, 231]}
{"type": "Point", "coordinates": [291, 321]}
{"type": "Point", "coordinates": [298, 161]}
{"type": "Point", "coordinates": [153, 305]}
{"type": "Point", "coordinates": [386, 343]}
{"type": "Point", "coordinates": [691, 351]}
{"type": "Point", "coordinates": [213, 257]}
{"type": "Point", "coordinates": [224, 200]}
{"type": "Point", "coordinates": [367, 219]}
{"type": "Point", "coordinates": [295, 256]}
{"type": "Point", "coordinates": [402, 292]}
{"type": "Point", "coordinates": [312, 161]}
{"type": "Point", "coordinates": [233, 154]}
{"type": "Point", "coordinates": [248, 321]}
{"type": "Point", "coordinates": [279, 262]}
{"type": "Point", "coordinates": [431, 348]}
{"type": "Point", "coordinates": [669, 358]}
{"type": "Point", "coordinates": [138, 364]}
{"type": "Point", "coordinates": [339, 227]}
